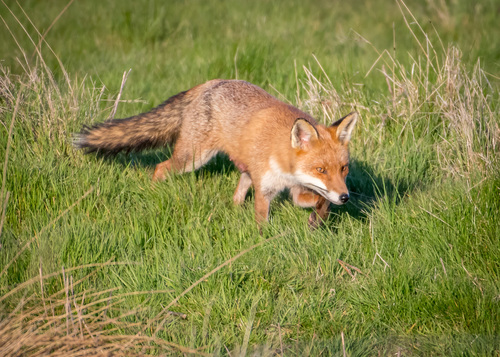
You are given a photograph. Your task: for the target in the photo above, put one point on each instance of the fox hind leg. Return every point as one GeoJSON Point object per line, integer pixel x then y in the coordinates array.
{"type": "Point", "coordinates": [183, 160]}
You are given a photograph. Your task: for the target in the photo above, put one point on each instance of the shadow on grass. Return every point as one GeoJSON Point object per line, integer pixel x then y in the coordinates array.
{"type": "Point", "coordinates": [143, 159]}
{"type": "Point", "coordinates": [220, 164]}
{"type": "Point", "coordinates": [366, 188]}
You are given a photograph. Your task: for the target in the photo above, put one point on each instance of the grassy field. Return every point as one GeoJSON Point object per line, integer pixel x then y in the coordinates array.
{"type": "Point", "coordinates": [95, 259]}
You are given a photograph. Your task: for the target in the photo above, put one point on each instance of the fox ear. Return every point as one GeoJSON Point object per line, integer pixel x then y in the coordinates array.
{"type": "Point", "coordinates": [303, 134]}
{"type": "Point", "coordinates": [343, 127]}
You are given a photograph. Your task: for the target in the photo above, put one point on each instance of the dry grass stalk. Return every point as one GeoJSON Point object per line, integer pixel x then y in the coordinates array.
{"type": "Point", "coordinates": [323, 100]}
{"type": "Point", "coordinates": [78, 324]}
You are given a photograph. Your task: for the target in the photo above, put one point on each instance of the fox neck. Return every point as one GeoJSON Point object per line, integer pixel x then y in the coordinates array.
{"type": "Point", "coordinates": [277, 178]}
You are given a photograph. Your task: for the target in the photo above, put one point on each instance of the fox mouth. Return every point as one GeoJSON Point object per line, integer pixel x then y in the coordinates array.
{"type": "Point", "coordinates": [325, 193]}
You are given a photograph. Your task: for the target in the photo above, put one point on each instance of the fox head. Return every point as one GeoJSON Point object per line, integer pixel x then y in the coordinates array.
{"type": "Point", "coordinates": [323, 156]}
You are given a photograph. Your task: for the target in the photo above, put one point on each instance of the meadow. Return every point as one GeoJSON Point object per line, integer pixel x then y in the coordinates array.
{"type": "Point", "coordinates": [96, 260]}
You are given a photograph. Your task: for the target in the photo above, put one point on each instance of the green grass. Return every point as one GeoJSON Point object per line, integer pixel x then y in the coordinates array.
{"type": "Point", "coordinates": [410, 265]}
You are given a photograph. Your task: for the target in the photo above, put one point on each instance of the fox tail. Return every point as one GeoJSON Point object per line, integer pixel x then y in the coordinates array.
{"type": "Point", "coordinates": [158, 127]}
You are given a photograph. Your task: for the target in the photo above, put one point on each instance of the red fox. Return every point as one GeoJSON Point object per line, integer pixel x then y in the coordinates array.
{"type": "Point", "coordinates": [274, 145]}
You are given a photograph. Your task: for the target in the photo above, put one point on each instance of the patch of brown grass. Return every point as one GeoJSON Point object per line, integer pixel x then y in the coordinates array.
{"type": "Point", "coordinates": [70, 323]}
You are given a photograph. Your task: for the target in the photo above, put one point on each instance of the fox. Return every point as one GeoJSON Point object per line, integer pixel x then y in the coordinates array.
{"type": "Point", "coordinates": [274, 145]}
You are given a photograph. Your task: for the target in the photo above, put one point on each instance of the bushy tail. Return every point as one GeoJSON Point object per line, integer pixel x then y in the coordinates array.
{"type": "Point", "coordinates": [156, 128]}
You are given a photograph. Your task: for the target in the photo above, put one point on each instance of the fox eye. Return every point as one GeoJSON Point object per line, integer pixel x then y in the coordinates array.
{"type": "Point", "coordinates": [320, 170]}
{"type": "Point", "coordinates": [345, 168]}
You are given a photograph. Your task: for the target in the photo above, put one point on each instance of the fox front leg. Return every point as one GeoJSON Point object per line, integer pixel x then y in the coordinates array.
{"type": "Point", "coordinates": [304, 197]}
{"type": "Point", "coordinates": [242, 189]}
{"type": "Point", "coordinates": [320, 213]}
{"type": "Point", "coordinates": [262, 202]}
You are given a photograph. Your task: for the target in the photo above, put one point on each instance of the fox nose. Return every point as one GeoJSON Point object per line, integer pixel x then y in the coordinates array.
{"type": "Point", "coordinates": [344, 197]}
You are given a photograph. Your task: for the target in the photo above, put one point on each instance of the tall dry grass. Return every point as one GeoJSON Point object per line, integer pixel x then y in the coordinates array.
{"type": "Point", "coordinates": [436, 91]}
{"type": "Point", "coordinates": [71, 323]}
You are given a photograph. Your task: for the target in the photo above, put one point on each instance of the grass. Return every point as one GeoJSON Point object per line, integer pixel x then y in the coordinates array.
{"type": "Point", "coordinates": [94, 259]}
